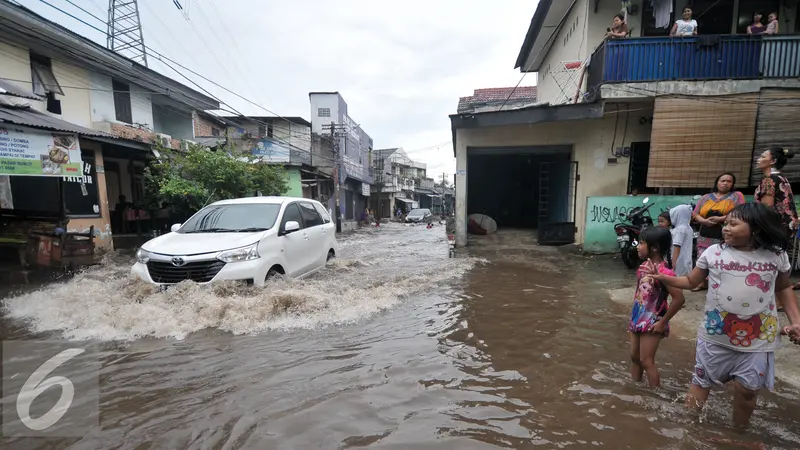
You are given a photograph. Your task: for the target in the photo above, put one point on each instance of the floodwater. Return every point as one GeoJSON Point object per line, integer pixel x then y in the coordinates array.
{"type": "Point", "coordinates": [395, 345]}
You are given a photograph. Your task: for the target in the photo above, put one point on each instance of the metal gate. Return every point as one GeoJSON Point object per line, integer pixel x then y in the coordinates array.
{"type": "Point", "coordinates": [558, 185]}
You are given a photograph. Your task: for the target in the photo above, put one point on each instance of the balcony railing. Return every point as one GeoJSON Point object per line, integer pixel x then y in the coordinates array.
{"type": "Point", "coordinates": [695, 58]}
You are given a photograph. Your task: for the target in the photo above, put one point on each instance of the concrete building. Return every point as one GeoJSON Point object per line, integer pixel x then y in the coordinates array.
{"type": "Point", "coordinates": [643, 114]}
{"type": "Point", "coordinates": [114, 108]}
{"type": "Point", "coordinates": [354, 150]}
{"type": "Point", "coordinates": [284, 141]}
{"type": "Point", "coordinates": [397, 178]}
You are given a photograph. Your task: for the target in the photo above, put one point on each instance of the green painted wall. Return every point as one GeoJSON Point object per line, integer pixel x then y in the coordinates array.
{"type": "Point", "coordinates": [295, 185]}
{"type": "Point", "coordinates": [603, 212]}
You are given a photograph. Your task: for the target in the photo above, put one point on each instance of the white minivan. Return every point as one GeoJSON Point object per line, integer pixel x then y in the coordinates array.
{"type": "Point", "coordinates": [248, 239]}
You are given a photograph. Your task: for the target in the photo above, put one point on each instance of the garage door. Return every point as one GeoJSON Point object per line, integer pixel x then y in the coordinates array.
{"type": "Point", "coordinates": [777, 126]}
{"type": "Point", "coordinates": [694, 139]}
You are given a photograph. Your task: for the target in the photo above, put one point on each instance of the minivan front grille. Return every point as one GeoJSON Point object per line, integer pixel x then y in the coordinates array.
{"type": "Point", "coordinates": [198, 271]}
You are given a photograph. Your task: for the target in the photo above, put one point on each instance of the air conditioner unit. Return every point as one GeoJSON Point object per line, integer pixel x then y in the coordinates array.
{"type": "Point", "coordinates": [165, 140]}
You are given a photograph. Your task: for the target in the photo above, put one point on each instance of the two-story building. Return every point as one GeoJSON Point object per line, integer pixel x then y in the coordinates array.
{"type": "Point", "coordinates": [647, 113]}
{"type": "Point", "coordinates": [397, 180]}
{"type": "Point", "coordinates": [109, 109]}
{"type": "Point", "coordinates": [354, 149]}
{"type": "Point", "coordinates": [284, 141]}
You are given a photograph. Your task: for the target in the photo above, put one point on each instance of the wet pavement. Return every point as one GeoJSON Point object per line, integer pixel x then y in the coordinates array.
{"type": "Point", "coordinates": [395, 345]}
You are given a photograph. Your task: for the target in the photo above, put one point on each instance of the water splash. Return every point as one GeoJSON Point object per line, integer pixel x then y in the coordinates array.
{"type": "Point", "coordinates": [374, 273]}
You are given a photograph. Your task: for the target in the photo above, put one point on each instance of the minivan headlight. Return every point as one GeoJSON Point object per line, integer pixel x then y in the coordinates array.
{"type": "Point", "coordinates": [143, 256]}
{"type": "Point", "coordinates": [240, 254]}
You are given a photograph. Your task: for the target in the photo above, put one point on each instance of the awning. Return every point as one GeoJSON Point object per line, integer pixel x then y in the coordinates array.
{"type": "Point", "coordinates": [434, 195]}
{"type": "Point", "coordinates": [7, 88]}
{"type": "Point", "coordinates": [31, 118]}
{"type": "Point", "coordinates": [404, 200]}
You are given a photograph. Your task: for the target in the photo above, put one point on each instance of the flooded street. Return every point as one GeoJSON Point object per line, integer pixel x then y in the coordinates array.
{"type": "Point", "coordinates": [394, 345]}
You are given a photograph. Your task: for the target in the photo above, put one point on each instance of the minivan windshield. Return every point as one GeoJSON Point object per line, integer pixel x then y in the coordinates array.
{"type": "Point", "coordinates": [238, 218]}
{"type": "Point", "coordinates": [418, 212]}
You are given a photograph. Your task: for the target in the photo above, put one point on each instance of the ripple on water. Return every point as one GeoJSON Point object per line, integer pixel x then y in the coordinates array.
{"type": "Point", "coordinates": [105, 302]}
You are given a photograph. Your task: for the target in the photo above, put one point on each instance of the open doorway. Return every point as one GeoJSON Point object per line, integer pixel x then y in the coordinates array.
{"type": "Point", "coordinates": [507, 185]}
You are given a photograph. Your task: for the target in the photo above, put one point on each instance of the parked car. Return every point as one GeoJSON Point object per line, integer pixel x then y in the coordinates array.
{"type": "Point", "coordinates": [420, 215]}
{"type": "Point", "coordinates": [249, 239]}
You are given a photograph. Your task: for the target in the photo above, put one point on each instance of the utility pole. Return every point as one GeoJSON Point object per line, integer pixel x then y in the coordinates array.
{"type": "Point", "coordinates": [336, 166]}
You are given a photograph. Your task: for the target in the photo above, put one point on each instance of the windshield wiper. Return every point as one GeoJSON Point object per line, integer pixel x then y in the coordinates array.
{"type": "Point", "coordinates": [250, 230]}
{"type": "Point", "coordinates": [212, 230]}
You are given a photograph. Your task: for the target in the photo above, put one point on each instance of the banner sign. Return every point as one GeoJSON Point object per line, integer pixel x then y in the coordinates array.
{"type": "Point", "coordinates": [271, 152]}
{"type": "Point", "coordinates": [36, 153]}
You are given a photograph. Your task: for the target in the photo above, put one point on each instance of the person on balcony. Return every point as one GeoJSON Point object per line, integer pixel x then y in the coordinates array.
{"type": "Point", "coordinates": [756, 27]}
{"type": "Point", "coordinates": [685, 26]}
{"type": "Point", "coordinates": [619, 29]}
{"type": "Point", "coordinates": [772, 26]}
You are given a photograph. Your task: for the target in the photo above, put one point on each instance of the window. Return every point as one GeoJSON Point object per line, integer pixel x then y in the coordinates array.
{"type": "Point", "coordinates": [310, 215]}
{"type": "Point", "coordinates": [322, 213]}
{"type": "Point", "coordinates": [122, 101]}
{"type": "Point", "coordinates": [44, 82]}
{"type": "Point", "coordinates": [269, 131]}
{"type": "Point", "coordinates": [748, 8]}
{"type": "Point", "coordinates": [215, 131]}
{"type": "Point", "coordinates": [292, 213]}
{"type": "Point", "coordinates": [323, 112]}
{"type": "Point", "coordinates": [81, 196]}
{"type": "Point", "coordinates": [262, 131]}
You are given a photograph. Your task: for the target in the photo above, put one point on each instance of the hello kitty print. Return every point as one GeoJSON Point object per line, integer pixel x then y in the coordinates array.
{"type": "Point", "coordinates": [740, 309]}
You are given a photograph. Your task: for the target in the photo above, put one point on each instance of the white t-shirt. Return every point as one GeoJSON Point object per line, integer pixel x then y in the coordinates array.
{"type": "Point", "coordinates": [740, 308]}
{"type": "Point", "coordinates": [685, 28]}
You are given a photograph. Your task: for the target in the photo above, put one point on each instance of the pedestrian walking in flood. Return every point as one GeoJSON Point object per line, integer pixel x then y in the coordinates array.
{"type": "Point", "coordinates": [736, 342]}
{"type": "Point", "coordinates": [682, 237]}
{"type": "Point", "coordinates": [651, 314]}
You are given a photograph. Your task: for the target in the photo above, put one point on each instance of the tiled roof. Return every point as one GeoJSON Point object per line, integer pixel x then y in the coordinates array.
{"type": "Point", "coordinates": [489, 96]}
{"type": "Point", "coordinates": [35, 119]}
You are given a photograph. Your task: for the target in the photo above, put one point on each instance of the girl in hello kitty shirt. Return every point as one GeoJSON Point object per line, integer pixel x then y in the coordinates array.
{"type": "Point", "coordinates": [738, 338]}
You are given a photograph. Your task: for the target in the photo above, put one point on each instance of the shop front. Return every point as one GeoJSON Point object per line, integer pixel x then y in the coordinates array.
{"type": "Point", "coordinates": [51, 199]}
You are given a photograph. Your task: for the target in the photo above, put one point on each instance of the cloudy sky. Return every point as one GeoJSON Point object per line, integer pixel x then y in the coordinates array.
{"type": "Point", "coordinates": [400, 66]}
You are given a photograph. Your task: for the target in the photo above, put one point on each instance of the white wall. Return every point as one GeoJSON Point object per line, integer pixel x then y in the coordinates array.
{"type": "Point", "coordinates": [301, 136]}
{"type": "Point", "coordinates": [102, 98]}
{"type": "Point", "coordinates": [15, 65]}
{"type": "Point", "coordinates": [581, 35]}
{"type": "Point", "coordinates": [142, 107]}
{"type": "Point", "coordinates": [318, 101]}
{"type": "Point", "coordinates": [174, 123]}
{"type": "Point", "coordinates": [102, 102]}
{"type": "Point", "coordinates": [592, 142]}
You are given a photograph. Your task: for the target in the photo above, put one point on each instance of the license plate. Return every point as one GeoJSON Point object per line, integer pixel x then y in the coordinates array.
{"type": "Point", "coordinates": [623, 238]}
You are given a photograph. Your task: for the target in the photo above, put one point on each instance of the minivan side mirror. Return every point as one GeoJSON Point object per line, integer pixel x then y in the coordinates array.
{"type": "Point", "coordinates": [175, 227]}
{"type": "Point", "coordinates": [290, 227]}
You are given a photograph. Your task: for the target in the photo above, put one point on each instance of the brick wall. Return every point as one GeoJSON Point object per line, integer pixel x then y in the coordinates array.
{"type": "Point", "coordinates": [139, 134]}
{"type": "Point", "coordinates": [203, 127]}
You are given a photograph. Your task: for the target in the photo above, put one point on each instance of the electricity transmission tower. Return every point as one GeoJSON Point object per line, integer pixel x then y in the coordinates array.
{"type": "Point", "coordinates": [125, 30]}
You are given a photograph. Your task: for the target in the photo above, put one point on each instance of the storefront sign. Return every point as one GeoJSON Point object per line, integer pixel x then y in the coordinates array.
{"type": "Point", "coordinates": [365, 189]}
{"type": "Point", "coordinates": [34, 153]}
{"type": "Point", "coordinates": [271, 152]}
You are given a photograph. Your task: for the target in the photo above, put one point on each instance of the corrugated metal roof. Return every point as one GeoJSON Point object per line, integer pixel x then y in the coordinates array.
{"type": "Point", "coordinates": [35, 119]}
{"type": "Point", "coordinates": [7, 88]}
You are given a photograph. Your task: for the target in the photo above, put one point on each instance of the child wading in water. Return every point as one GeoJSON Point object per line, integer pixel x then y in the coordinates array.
{"type": "Point", "coordinates": [737, 340]}
{"type": "Point", "coordinates": [650, 316]}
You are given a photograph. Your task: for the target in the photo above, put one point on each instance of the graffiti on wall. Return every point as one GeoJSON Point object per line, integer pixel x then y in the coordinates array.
{"type": "Point", "coordinates": [603, 212]}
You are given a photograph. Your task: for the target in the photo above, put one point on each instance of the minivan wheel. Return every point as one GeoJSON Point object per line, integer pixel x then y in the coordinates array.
{"type": "Point", "coordinates": [331, 256]}
{"type": "Point", "coordinates": [272, 274]}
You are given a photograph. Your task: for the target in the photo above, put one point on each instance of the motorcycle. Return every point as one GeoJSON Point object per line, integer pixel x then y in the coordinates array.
{"type": "Point", "coordinates": [628, 233]}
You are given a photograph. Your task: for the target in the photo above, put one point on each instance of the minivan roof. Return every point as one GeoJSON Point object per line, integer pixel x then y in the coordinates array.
{"type": "Point", "coordinates": [273, 200]}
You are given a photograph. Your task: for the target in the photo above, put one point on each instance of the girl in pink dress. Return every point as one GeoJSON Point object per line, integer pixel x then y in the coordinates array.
{"type": "Point", "coordinates": [651, 314]}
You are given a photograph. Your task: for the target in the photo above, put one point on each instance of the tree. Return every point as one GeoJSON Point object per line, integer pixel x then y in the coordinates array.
{"type": "Point", "coordinates": [189, 180]}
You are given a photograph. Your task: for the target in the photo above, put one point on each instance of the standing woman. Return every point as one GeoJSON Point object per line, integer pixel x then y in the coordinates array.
{"type": "Point", "coordinates": [711, 211]}
{"type": "Point", "coordinates": [774, 191]}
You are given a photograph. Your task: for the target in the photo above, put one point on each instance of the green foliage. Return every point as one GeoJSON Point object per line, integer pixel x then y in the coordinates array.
{"type": "Point", "coordinates": [188, 180]}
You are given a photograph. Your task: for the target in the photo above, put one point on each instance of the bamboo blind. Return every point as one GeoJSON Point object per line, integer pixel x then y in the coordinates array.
{"type": "Point", "coordinates": [778, 125]}
{"type": "Point", "coordinates": [694, 139]}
